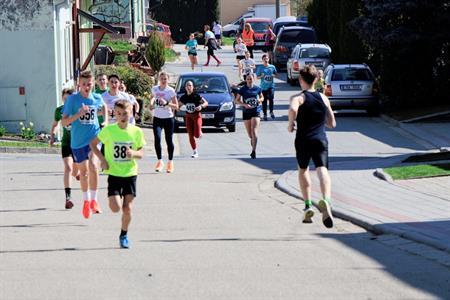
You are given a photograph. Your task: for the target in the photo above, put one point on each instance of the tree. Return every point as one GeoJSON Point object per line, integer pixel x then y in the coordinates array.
{"type": "Point", "coordinates": [155, 52]}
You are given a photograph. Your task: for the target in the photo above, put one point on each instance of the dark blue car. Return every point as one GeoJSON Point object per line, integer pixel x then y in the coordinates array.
{"type": "Point", "coordinates": [214, 87]}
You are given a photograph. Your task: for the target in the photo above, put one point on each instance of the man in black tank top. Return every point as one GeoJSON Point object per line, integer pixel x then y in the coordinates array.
{"type": "Point", "coordinates": [312, 112]}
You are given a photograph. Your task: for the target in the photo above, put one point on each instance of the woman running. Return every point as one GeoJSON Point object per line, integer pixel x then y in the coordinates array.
{"type": "Point", "coordinates": [240, 50]}
{"type": "Point", "coordinates": [164, 102]}
{"type": "Point", "coordinates": [211, 43]}
{"type": "Point", "coordinates": [194, 104]}
{"type": "Point", "coordinates": [191, 47]}
{"type": "Point", "coordinates": [250, 97]}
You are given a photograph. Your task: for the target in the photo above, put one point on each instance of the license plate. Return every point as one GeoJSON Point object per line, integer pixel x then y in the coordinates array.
{"type": "Point", "coordinates": [351, 87]}
{"type": "Point", "coordinates": [208, 116]}
{"type": "Point", "coordinates": [259, 43]}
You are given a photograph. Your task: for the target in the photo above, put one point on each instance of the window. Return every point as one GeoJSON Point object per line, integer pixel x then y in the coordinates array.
{"type": "Point", "coordinates": [348, 74]}
{"type": "Point", "coordinates": [305, 36]}
{"type": "Point", "coordinates": [203, 84]}
{"type": "Point", "coordinates": [314, 53]}
{"type": "Point", "coordinates": [259, 26]}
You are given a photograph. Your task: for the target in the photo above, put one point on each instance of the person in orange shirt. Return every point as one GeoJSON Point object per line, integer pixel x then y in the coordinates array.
{"type": "Point", "coordinates": [248, 36]}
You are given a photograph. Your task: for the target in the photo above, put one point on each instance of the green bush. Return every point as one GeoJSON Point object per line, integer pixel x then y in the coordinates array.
{"type": "Point", "coordinates": [155, 52]}
{"type": "Point", "coordinates": [27, 132]}
{"type": "Point", "coordinates": [2, 131]}
{"type": "Point", "coordinates": [137, 82]}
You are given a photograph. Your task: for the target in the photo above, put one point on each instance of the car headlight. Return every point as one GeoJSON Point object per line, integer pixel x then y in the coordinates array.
{"type": "Point", "coordinates": [183, 107]}
{"type": "Point", "coordinates": [226, 106]}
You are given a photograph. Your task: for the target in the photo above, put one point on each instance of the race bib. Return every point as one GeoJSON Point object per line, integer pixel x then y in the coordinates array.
{"type": "Point", "coordinates": [120, 151]}
{"type": "Point", "coordinates": [252, 102]}
{"type": "Point", "coordinates": [268, 77]}
{"type": "Point", "coordinates": [160, 102]}
{"type": "Point", "coordinates": [190, 108]}
{"type": "Point", "coordinates": [89, 117]}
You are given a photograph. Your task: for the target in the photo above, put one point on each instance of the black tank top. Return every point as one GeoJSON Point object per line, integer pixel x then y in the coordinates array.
{"type": "Point", "coordinates": [311, 117]}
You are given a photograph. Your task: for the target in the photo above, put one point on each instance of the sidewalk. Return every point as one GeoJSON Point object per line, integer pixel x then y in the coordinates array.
{"type": "Point", "coordinates": [383, 207]}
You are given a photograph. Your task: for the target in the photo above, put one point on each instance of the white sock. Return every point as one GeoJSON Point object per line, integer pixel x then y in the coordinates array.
{"type": "Point", "coordinates": [86, 196]}
{"type": "Point", "coordinates": [93, 195]}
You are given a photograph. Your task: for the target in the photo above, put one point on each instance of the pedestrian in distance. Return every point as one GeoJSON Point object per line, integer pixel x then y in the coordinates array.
{"type": "Point", "coordinates": [211, 43]}
{"type": "Point", "coordinates": [124, 144]}
{"type": "Point", "coordinates": [69, 168]}
{"type": "Point", "coordinates": [267, 73]}
{"type": "Point", "coordinates": [80, 111]}
{"type": "Point", "coordinates": [240, 50]}
{"type": "Point", "coordinates": [191, 47]}
{"type": "Point", "coordinates": [250, 98]}
{"type": "Point", "coordinates": [163, 103]}
{"type": "Point", "coordinates": [248, 36]}
{"type": "Point", "coordinates": [320, 84]}
{"type": "Point", "coordinates": [269, 41]}
{"type": "Point", "coordinates": [246, 66]}
{"type": "Point", "coordinates": [193, 105]}
{"type": "Point", "coordinates": [114, 94]}
{"type": "Point", "coordinates": [217, 28]}
{"type": "Point", "coordinates": [312, 112]}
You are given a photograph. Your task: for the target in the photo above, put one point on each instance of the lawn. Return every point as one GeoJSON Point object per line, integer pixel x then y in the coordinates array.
{"type": "Point", "coordinates": [227, 41]}
{"type": "Point", "coordinates": [118, 46]}
{"type": "Point", "coordinates": [170, 54]}
{"type": "Point", "coordinates": [418, 171]}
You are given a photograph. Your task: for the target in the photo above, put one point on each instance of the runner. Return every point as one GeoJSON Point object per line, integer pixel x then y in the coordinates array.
{"type": "Point", "coordinates": [101, 87]}
{"type": "Point", "coordinates": [136, 106]}
{"type": "Point", "coordinates": [194, 103]}
{"type": "Point", "coordinates": [248, 36]}
{"type": "Point", "coordinates": [114, 94]}
{"type": "Point", "coordinates": [250, 97]}
{"type": "Point", "coordinates": [266, 73]}
{"type": "Point", "coordinates": [269, 41]}
{"type": "Point", "coordinates": [246, 66]}
{"type": "Point", "coordinates": [211, 43]}
{"type": "Point", "coordinates": [66, 151]}
{"type": "Point", "coordinates": [240, 50]}
{"type": "Point", "coordinates": [164, 102]}
{"type": "Point", "coordinates": [217, 28]}
{"type": "Point", "coordinates": [123, 145]}
{"type": "Point", "coordinates": [80, 111]}
{"type": "Point", "coordinates": [313, 112]}
{"type": "Point", "coordinates": [191, 47]}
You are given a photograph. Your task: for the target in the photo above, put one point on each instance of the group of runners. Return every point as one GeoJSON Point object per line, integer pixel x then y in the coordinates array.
{"type": "Point", "coordinates": [100, 126]}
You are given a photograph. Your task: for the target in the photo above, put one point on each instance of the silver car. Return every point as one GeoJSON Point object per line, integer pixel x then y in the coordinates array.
{"type": "Point", "coordinates": [306, 54]}
{"type": "Point", "coordinates": [352, 86]}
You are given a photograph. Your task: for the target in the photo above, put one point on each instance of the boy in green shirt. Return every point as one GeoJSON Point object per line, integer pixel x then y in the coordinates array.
{"type": "Point", "coordinates": [123, 145]}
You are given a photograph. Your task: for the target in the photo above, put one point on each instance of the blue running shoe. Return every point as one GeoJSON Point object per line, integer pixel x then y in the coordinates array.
{"type": "Point", "coordinates": [123, 240]}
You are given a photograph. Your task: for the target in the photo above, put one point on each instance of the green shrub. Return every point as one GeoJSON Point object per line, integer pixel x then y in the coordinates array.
{"type": "Point", "coordinates": [155, 52]}
{"type": "Point", "coordinates": [137, 82]}
{"type": "Point", "coordinates": [27, 132]}
{"type": "Point", "coordinates": [2, 130]}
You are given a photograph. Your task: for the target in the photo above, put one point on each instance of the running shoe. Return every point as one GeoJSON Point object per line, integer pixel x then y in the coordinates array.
{"type": "Point", "coordinates": [253, 154]}
{"type": "Point", "coordinates": [95, 207]}
{"type": "Point", "coordinates": [265, 118]}
{"type": "Point", "coordinates": [205, 65]}
{"type": "Point", "coordinates": [194, 154]}
{"type": "Point", "coordinates": [219, 63]}
{"type": "Point", "coordinates": [159, 166]}
{"type": "Point", "coordinates": [272, 115]}
{"type": "Point", "coordinates": [124, 243]}
{"type": "Point", "coordinates": [87, 210]}
{"type": "Point", "coordinates": [170, 166]}
{"type": "Point", "coordinates": [69, 204]}
{"type": "Point", "coordinates": [327, 216]}
{"type": "Point", "coordinates": [308, 213]}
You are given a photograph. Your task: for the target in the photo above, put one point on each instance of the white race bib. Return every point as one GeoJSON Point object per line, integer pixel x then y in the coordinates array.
{"type": "Point", "coordinates": [89, 117]}
{"type": "Point", "coordinates": [120, 151]}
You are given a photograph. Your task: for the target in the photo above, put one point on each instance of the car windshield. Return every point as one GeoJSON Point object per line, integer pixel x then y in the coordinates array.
{"type": "Point", "coordinates": [348, 74]}
{"type": "Point", "coordinates": [259, 26]}
{"type": "Point", "coordinates": [305, 36]}
{"type": "Point", "coordinates": [314, 53]}
{"type": "Point", "coordinates": [203, 84]}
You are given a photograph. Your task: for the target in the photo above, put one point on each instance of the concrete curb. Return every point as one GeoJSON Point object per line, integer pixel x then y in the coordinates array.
{"type": "Point", "coordinates": [371, 225]}
{"type": "Point", "coordinates": [383, 175]}
{"type": "Point", "coordinates": [35, 150]}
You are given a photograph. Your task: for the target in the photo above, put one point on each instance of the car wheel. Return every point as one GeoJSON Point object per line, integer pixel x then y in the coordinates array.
{"type": "Point", "coordinates": [232, 128]}
{"type": "Point", "coordinates": [232, 34]}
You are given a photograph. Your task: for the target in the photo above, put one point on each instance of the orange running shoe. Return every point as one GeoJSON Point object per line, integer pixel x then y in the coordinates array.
{"type": "Point", "coordinates": [169, 166]}
{"type": "Point", "coordinates": [95, 208]}
{"type": "Point", "coordinates": [86, 209]}
{"type": "Point", "coordinates": [159, 166]}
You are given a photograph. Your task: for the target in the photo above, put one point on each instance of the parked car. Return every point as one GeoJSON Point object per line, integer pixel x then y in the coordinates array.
{"type": "Point", "coordinates": [214, 87]}
{"type": "Point", "coordinates": [352, 86]}
{"type": "Point", "coordinates": [287, 39]}
{"type": "Point", "coordinates": [288, 21]}
{"type": "Point", "coordinates": [307, 54]}
{"type": "Point", "coordinates": [259, 27]}
{"type": "Point", "coordinates": [160, 27]}
{"type": "Point", "coordinates": [232, 29]}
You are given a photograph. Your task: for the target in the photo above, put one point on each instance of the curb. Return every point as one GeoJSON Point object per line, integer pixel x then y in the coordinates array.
{"type": "Point", "coordinates": [42, 150]}
{"type": "Point", "coordinates": [282, 184]}
{"type": "Point", "coordinates": [383, 175]}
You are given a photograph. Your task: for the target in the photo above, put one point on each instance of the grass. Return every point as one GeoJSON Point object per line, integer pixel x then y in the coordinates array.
{"type": "Point", "coordinates": [419, 171]}
{"type": "Point", "coordinates": [227, 41]}
{"type": "Point", "coordinates": [30, 144]}
{"type": "Point", "coordinates": [118, 46]}
{"type": "Point", "coordinates": [170, 55]}
{"type": "Point", "coordinates": [429, 157]}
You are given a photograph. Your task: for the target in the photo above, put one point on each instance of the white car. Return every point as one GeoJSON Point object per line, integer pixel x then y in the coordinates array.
{"type": "Point", "coordinates": [232, 29]}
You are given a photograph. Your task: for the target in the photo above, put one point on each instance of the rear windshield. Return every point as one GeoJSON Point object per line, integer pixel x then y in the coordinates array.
{"type": "Point", "coordinates": [314, 53]}
{"type": "Point", "coordinates": [203, 84]}
{"type": "Point", "coordinates": [278, 26]}
{"type": "Point", "coordinates": [298, 36]}
{"type": "Point", "coordinates": [351, 74]}
{"type": "Point", "coordinates": [259, 26]}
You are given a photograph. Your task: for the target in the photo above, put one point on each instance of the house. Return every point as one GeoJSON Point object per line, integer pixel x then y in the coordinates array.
{"type": "Point", "coordinates": [230, 10]}
{"type": "Point", "coordinates": [45, 44]}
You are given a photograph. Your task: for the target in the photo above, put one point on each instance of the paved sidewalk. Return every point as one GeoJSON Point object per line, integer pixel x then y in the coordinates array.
{"type": "Point", "coordinates": [384, 207]}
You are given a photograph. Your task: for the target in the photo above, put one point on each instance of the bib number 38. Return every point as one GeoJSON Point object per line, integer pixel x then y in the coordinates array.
{"type": "Point", "coordinates": [120, 152]}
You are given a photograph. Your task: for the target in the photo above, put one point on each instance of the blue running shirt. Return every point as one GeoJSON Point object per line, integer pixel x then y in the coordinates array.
{"type": "Point", "coordinates": [267, 76]}
{"type": "Point", "coordinates": [250, 96]}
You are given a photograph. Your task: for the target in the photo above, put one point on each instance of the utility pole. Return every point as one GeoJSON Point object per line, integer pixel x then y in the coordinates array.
{"type": "Point", "coordinates": [277, 8]}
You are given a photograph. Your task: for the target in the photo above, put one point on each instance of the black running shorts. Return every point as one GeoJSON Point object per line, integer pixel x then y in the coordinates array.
{"type": "Point", "coordinates": [250, 115]}
{"type": "Point", "coordinates": [121, 186]}
{"type": "Point", "coordinates": [317, 150]}
{"type": "Point", "coordinates": [66, 151]}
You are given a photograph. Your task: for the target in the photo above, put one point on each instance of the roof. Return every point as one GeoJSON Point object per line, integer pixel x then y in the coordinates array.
{"type": "Point", "coordinates": [285, 19]}
{"type": "Point", "coordinates": [257, 20]}
{"type": "Point", "coordinates": [324, 46]}
{"type": "Point", "coordinates": [297, 28]}
{"type": "Point", "coordinates": [203, 74]}
{"type": "Point", "coordinates": [342, 66]}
